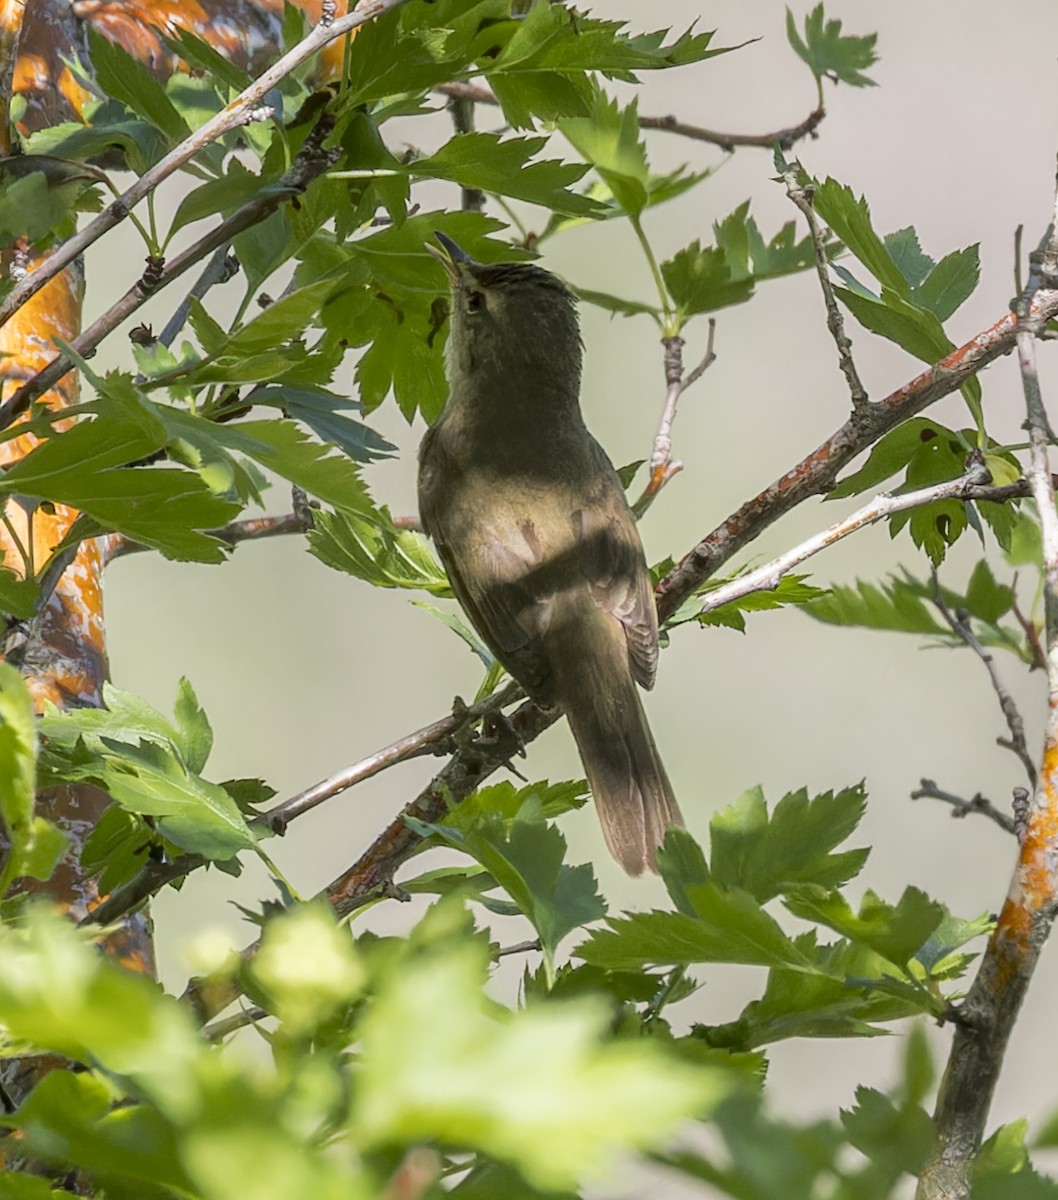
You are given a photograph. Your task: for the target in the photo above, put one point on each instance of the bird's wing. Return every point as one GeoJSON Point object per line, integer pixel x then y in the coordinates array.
{"type": "Point", "coordinates": [616, 571]}
{"type": "Point", "coordinates": [500, 593]}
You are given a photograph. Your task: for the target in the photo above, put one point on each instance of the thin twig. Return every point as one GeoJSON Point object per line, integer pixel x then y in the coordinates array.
{"type": "Point", "coordinates": [431, 739]}
{"type": "Point", "coordinates": [802, 198]}
{"type": "Point", "coordinates": [662, 467]}
{"type": "Point", "coordinates": [928, 790]}
{"type": "Point", "coordinates": [769, 576]}
{"type": "Point", "coordinates": [234, 114]}
{"type": "Point", "coordinates": [786, 138]}
{"type": "Point", "coordinates": [960, 625]}
{"type": "Point", "coordinates": [519, 948]}
{"type": "Point", "coordinates": [253, 529]}
{"type": "Point", "coordinates": [312, 160]}
{"type": "Point", "coordinates": [990, 1010]}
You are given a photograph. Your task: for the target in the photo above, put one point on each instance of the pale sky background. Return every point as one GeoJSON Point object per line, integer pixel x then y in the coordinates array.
{"type": "Point", "coordinates": [303, 671]}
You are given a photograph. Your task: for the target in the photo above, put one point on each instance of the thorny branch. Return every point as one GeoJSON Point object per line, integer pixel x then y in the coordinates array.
{"type": "Point", "coordinates": [238, 112]}
{"type": "Point", "coordinates": [988, 1014]}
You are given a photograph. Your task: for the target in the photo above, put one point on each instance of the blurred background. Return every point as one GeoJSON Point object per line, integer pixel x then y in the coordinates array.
{"type": "Point", "coordinates": [303, 671]}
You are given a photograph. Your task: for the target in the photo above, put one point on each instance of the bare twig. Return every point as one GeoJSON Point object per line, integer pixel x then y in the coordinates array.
{"type": "Point", "coordinates": [312, 160]}
{"type": "Point", "coordinates": [802, 198]}
{"type": "Point", "coordinates": [990, 1010]}
{"type": "Point", "coordinates": [960, 625]}
{"type": "Point", "coordinates": [431, 739]}
{"type": "Point", "coordinates": [237, 113]}
{"type": "Point", "coordinates": [726, 141]}
{"type": "Point", "coordinates": [928, 790]}
{"type": "Point", "coordinates": [768, 576]}
{"type": "Point", "coordinates": [662, 467]}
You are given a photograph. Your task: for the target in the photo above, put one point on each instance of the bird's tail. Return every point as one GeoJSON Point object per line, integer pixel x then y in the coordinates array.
{"type": "Point", "coordinates": [593, 684]}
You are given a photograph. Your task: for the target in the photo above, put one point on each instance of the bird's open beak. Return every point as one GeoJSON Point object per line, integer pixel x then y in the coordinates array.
{"type": "Point", "coordinates": [455, 260]}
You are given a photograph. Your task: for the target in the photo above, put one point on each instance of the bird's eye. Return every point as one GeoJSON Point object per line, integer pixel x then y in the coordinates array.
{"type": "Point", "coordinates": [475, 302]}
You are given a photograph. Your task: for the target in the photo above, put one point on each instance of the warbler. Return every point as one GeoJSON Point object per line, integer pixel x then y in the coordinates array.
{"type": "Point", "coordinates": [531, 523]}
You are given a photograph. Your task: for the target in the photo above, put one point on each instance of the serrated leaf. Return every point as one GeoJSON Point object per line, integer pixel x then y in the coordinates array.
{"type": "Point", "coordinates": [893, 605]}
{"type": "Point", "coordinates": [728, 926]}
{"type": "Point", "coordinates": [525, 857]}
{"type": "Point", "coordinates": [436, 1066]}
{"type": "Point", "coordinates": [700, 280]}
{"type": "Point", "coordinates": [850, 220]}
{"type": "Point", "coordinates": [890, 454]}
{"type": "Point", "coordinates": [894, 932]}
{"type": "Point", "coordinates": [609, 140]}
{"type": "Point", "coordinates": [320, 410]}
{"type": "Point", "coordinates": [505, 166]}
{"type": "Point", "coordinates": [369, 546]}
{"type": "Point", "coordinates": [766, 854]}
{"type": "Point", "coordinates": [830, 54]}
{"type": "Point", "coordinates": [128, 80]}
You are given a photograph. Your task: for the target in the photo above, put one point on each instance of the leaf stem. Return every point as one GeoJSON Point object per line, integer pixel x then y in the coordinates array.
{"type": "Point", "coordinates": [671, 327]}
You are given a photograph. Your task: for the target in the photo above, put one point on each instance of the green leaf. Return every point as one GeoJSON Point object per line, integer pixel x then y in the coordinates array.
{"type": "Point", "coordinates": [897, 1139]}
{"type": "Point", "coordinates": [503, 166]}
{"type": "Point", "coordinates": [31, 207]}
{"type": "Point", "coordinates": [766, 855]}
{"type": "Point", "coordinates": [791, 589]}
{"type": "Point", "coordinates": [950, 283]}
{"type": "Point", "coordinates": [748, 255]}
{"type": "Point", "coordinates": [525, 857]}
{"type": "Point", "coordinates": [894, 932]}
{"type": "Point", "coordinates": [609, 140]}
{"type": "Point", "coordinates": [830, 54]}
{"type": "Point", "coordinates": [895, 605]}
{"type": "Point", "coordinates": [614, 304]}
{"type": "Point", "coordinates": [728, 926]}
{"type": "Point", "coordinates": [850, 219]}
{"type": "Point", "coordinates": [437, 1063]}
{"type": "Point", "coordinates": [985, 598]}
{"type": "Point", "coordinates": [370, 547]}
{"type": "Point", "coordinates": [701, 280]}
{"type": "Point", "coordinates": [150, 766]}
{"type": "Point", "coordinates": [892, 453]}
{"type": "Point", "coordinates": [320, 410]}
{"type": "Point", "coordinates": [128, 80]}
{"type": "Point", "coordinates": [545, 801]}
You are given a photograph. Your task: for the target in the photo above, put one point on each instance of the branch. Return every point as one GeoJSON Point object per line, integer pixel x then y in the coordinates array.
{"type": "Point", "coordinates": [818, 471]}
{"type": "Point", "coordinates": [238, 112]}
{"type": "Point", "coordinates": [988, 1015]}
{"type": "Point", "coordinates": [435, 738]}
{"type": "Point", "coordinates": [960, 625]}
{"type": "Point", "coordinates": [311, 161]}
{"type": "Point", "coordinates": [769, 576]}
{"type": "Point", "coordinates": [251, 530]}
{"type": "Point", "coordinates": [835, 323]}
{"type": "Point", "coordinates": [662, 467]}
{"type": "Point", "coordinates": [431, 739]}
{"type": "Point", "coordinates": [786, 138]}
{"type": "Point", "coordinates": [371, 877]}
{"type": "Point", "coordinates": [928, 790]}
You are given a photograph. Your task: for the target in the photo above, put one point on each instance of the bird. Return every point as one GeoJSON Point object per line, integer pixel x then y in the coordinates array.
{"type": "Point", "coordinates": [531, 524]}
